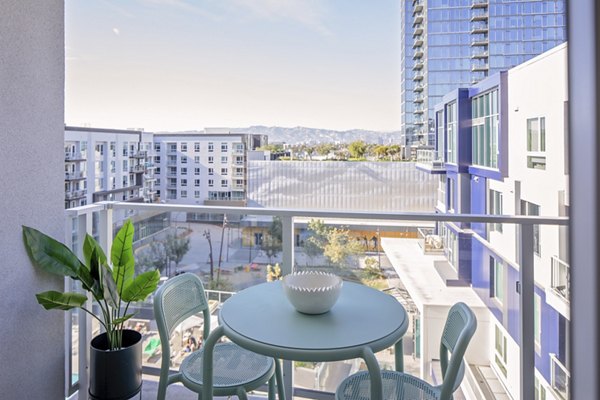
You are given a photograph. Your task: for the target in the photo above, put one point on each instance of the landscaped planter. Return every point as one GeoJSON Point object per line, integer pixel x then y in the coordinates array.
{"type": "Point", "coordinates": [116, 374]}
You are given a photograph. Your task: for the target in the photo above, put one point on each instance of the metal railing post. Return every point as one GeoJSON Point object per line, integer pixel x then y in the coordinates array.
{"type": "Point", "coordinates": [287, 225]}
{"type": "Point", "coordinates": [526, 303]}
{"type": "Point", "coordinates": [85, 321]}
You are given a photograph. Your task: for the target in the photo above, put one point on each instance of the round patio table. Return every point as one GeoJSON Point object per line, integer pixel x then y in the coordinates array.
{"type": "Point", "coordinates": [361, 323]}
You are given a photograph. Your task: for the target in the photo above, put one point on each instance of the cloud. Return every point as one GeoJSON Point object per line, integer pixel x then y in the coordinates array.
{"type": "Point", "coordinates": [182, 5]}
{"type": "Point", "coordinates": [310, 13]}
{"type": "Point", "coordinates": [116, 31]}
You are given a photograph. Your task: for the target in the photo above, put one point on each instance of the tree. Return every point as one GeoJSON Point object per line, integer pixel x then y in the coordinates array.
{"type": "Point", "coordinates": [176, 247]}
{"type": "Point", "coordinates": [340, 246]}
{"type": "Point", "coordinates": [394, 150]}
{"type": "Point", "coordinates": [381, 151]}
{"type": "Point", "coordinates": [324, 149]}
{"type": "Point", "coordinates": [154, 257]}
{"type": "Point", "coordinates": [206, 234]}
{"type": "Point", "coordinates": [357, 149]}
{"type": "Point", "coordinates": [272, 243]}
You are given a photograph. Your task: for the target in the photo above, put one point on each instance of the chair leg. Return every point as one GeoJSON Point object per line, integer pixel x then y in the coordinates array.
{"type": "Point", "coordinates": [272, 387]}
{"type": "Point", "coordinates": [162, 389]}
{"type": "Point", "coordinates": [200, 396]}
{"type": "Point", "coordinates": [241, 393]}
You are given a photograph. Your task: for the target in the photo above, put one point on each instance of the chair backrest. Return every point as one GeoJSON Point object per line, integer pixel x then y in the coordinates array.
{"type": "Point", "coordinates": [176, 300]}
{"type": "Point", "coordinates": [458, 331]}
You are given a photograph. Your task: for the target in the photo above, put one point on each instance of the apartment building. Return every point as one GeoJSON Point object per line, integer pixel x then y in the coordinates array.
{"type": "Point", "coordinates": [108, 164]}
{"type": "Point", "coordinates": [450, 44]}
{"type": "Point", "coordinates": [208, 167]}
{"type": "Point", "coordinates": [504, 148]}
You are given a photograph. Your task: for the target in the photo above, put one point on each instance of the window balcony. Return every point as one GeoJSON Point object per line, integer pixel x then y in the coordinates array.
{"type": "Point", "coordinates": [430, 161]}
{"type": "Point", "coordinates": [137, 168]}
{"type": "Point", "coordinates": [479, 28]}
{"type": "Point", "coordinates": [418, 88]}
{"type": "Point", "coordinates": [417, 29]}
{"type": "Point", "coordinates": [418, 54]}
{"type": "Point", "coordinates": [417, 18]}
{"type": "Point", "coordinates": [418, 77]}
{"type": "Point", "coordinates": [138, 154]}
{"type": "Point", "coordinates": [479, 4]}
{"type": "Point", "coordinates": [560, 377]}
{"type": "Point", "coordinates": [75, 156]}
{"type": "Point", "coordinates": [418, 42]}
{"type": "Point", "coordinates": [558, 294]}
{"type": "Point", "coordinates": [479, 55]}
{"type": "Point", "coordinates": [380, 234]}
{"type": "Point", "coordinates": [74, 176]}
{"type": "Point", "coordinates": [479, 67]}
{"type": "Point", "coordinates": [480, 41]}
{"type": "Point", "coordinates": [417, 6]}
{"type": "Point", "coordinates": [76, 194]}
{"type": "Point", "coordinates": [418, 99]}
{"type": "Point", "coordinates": [479, 15]}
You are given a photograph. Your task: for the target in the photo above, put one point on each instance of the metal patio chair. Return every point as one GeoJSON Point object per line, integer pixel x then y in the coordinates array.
{"type": "Point", "coordinates": [458, 331]}
{"type": "Point", "coordinates": [235, 370]}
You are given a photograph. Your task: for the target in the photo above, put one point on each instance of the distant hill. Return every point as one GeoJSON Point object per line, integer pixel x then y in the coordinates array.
{"type": "Point", "coordinates": [300, 134]}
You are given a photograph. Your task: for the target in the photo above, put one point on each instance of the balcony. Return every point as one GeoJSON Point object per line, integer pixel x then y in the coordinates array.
{"type": "Point", "coordinates": [76, 194]}
{"type": "Point", "coordinates": [418, 99]}
{"type": "Point", "coordinates": [419, 111]}
{"type": "Point", "coordinates": [137, 168]}
{"type": "Point", "coordinates": [560, 378]}
{"type": "Point", "coordinates": [72, 157]}
{"type": "Point", "coordinates": [558, 294]}
{"type": "Point", "coordinates": [430, 161]}
{"type": "Point", "coordinates": [479, 15]}
{"type": "Point", "coordinates": [479, 67]}
{"type": "Point", "coordinates": [482, 41]}
{"type": "Point", "coordinates": [417, 29]}
{"type": "Point", "coordinates": [404, 254]}
{"type": "Point", "coordinates": [418, 77]}
{"type": "Point", "coordinates": [73, 176]}
{"type": "Point", "coordinates": [479, 55]}
{"type": "Point", "coordinates": [138, 154]}
{"type": "Point", "coordinates": [418, 54]}
{"type": "Point", "coordinates": [479, 28]}
{"type": "Point", "coordinates": [418, 42]}
{"type": "Point", "coordinates": [417, 18]}
{"type": "Point", "coordinates": [417, 6]}
{"type": "Point", "coordinates": [479, 4]}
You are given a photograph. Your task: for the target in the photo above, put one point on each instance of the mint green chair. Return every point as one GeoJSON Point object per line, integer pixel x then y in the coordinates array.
{"type": "Point", "coordinates": [458, 331]}
{"type": "Point", "coordinates": [235, 370]}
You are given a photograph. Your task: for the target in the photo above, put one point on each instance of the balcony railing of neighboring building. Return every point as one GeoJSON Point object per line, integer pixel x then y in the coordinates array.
{"type": "Point", "coordinates": [75, 156]}
{"type": "Point", "coordinates": [479, 3]}
{"type": "Point", "coordinates": [69, 176]}
{"type": "Point", "coordinates": [417, 29]}
{"type": "Point", "coordinates": [417, 18]}
{"type": "Point", "coordinates": [430, 242]}
{"type": "Point", "coordinates": [479, 54]}
{"type": "Point", "coordinates": [561, 279]}
{"type": "Point", "coordinates": [560, 376]}
{"type": "Point", "coordinates": [480, 67]}
{"type": "Point", "coordinates": [137, 168]}
{"type": "Point", "coordinates": [76, 194]}
{"type": "Point", "coordinates": [479, 15]}
{"type": "Point", "coordinates": [418, 87]}
{"type": "Point", "coordinates": [479, 27]}
{"type": "Point", "coordinates": [418, 42]}
{"type": "Point", "coordinates": [430, 160]}
{"type": "Point", "coordinates": [480, 41]}
{"type": "Point", "coordinates": [418, 54]}
{"type": "Point", "coordinates": [108, 218]}
{"type": "Point", "coordinates": [138, 154]}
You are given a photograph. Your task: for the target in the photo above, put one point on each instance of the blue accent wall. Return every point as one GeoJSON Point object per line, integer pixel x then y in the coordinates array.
{"type": "Point", "coordinates": [478, 203]}
{"type": "Point", "coordinates": [550, 343]}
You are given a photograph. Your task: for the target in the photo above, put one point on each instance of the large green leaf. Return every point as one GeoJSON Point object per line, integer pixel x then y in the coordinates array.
{"type": "Point", "coordinates": [121, 253]}
{"type": "Point", "coordinates": [89, 245]}
{"type": "Point", "coordinates": [62, 301]}
{"type": "Point", "coordinates": [142, 286]}
{"type": "Point", "coordinates": [122, 319]}
{"type": "Point", "coordinates": [123, 275]}
{"type": "Point", "coordinates": [51, 255]}
{"type": "Point", "coordinates": [111, 294]}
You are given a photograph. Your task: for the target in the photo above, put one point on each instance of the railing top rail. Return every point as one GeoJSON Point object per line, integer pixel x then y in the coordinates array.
{"type": "Point", "coordinates": [326, 214]}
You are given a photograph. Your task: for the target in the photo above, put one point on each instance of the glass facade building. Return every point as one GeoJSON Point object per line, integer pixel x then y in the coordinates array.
{"type": "Point", "coordinates": [457, 43]}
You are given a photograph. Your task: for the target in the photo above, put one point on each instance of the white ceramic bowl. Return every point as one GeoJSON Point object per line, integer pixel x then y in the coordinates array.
{"type": "Point", "coordinates": [312, 292]}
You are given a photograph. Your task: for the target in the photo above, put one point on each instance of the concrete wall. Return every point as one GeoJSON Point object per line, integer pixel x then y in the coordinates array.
{"type": "Point", "coordinates": [32, 165]}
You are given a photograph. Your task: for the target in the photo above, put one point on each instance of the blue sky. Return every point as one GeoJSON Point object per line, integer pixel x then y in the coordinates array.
{"type": "Point", "coordinates": [175, 64]}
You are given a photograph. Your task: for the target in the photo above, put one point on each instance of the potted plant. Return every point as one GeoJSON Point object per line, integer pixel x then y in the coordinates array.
{"type": "Point", "coordinates": [115, 354]}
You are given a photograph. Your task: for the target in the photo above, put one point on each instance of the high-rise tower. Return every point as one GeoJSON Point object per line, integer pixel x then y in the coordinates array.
{"type": "Point", "coordinates": [447, 44]}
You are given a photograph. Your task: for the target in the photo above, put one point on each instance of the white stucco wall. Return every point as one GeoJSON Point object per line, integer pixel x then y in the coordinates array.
{"type": "Point", "coordinates": [32, 165]}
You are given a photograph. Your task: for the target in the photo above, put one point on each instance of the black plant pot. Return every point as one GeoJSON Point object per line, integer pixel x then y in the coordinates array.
{"type": "Point", "coordinates": [116, 374]}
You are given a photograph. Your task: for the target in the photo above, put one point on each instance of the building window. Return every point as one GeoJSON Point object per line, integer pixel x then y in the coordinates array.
{"type": "Point", "coordinates": [113, 166]}
{"type": "Point", "coordinates": [485, 129]}
{"type": "Point", "coordinates": [223, 159]}
{"type": "Point", "coordinates": [224, 183]}
{"type": "Point", "coordinates": [211, 171]}
{"type": "Point", "coordinates": [157, 159]}
{"type": "Point", "coordinates": [157, 147]}
{"type": "Point", "coordinates": [540, 390]}
{"type": "Point", "coordinates": [211, 147]}
{"type": "Point", "coordinates": [196, 171]}
{"type": "Point", "coordinates": [450, 200]}
{"type": "Point", "coordinates": [211, 159]}
{"type": "Point", "coordinates": [451, 129]}
{"type": "Point", "coordinates": [197, 194]}
{"type": "Point", "coordinates": [124, 165]}
{"type": "Point", "coordinates": [113, 152]}
{"type": "Point", "coordinates": [184, 194]}
{"type": "Point", "coordinates": [528, 208]}
{"type": "Point", "coordinates": [196, 147]}
{"type": "Point", "coordinates": [172, 147]}
{"type": "Point", "coordinates": [211, 183]}
{"type": "Point", "coordinates": [197, 182]}
{"type": "Point", "coordinates": [100, 149]}
{"type": "Point", "coordinates": [183, 171]}
{"type": "Point", "coordinates": [197, 159]}
{"type": "Point", "coordinates": [125, 181]}
{"type": "Point", "coordinates": [537, 321]}
{"type": "Point", "coordinates": [183, 159]}
{"type": "Point", "coordinates": [536, 143]}
{"type": "Point", "coordinates": [223, 171]}
{"type": "Point", "coordinates": [184, 182]}
{"type": "Point", "coordinates": [125, 148]}
{"type": "Point", "coordinates": [500, 349]}
{"type": "Point", "coordinates": [223, 147]}
{"type": "Point", "coordinates": [498, 279]}
{"type": "Point", "coordinates": [183, 146]}
{"type": "Point", "coordinates": [495, 208]}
